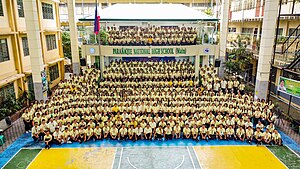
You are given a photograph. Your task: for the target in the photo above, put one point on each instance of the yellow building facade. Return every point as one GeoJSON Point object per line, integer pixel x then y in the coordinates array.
{"type": "Point", "coordinates": [15, 64]}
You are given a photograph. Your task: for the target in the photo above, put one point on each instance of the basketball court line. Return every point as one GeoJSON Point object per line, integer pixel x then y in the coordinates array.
{"type": "Point", "coordinates": [191, 157]}
{"type": "Point", "coordinates": [292, 151]}
{"type": "Point", "coordinates": [34, 159]}
{"type": "Point", "coordinates": [130, 163]}
{"type": "Point", "coordinates": [197, 157]}
{"type": "Point", "coordinates": [11, 158]}
{"type": "Point", "coordinates": [180, 163]}
{"type": "Point", "coordinates": [276, 156]}
{"type": "Point", "coordinates": [120, 158]}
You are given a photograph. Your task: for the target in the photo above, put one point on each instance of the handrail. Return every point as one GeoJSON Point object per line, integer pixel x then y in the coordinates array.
{"type": "Point", "coordinates": [291, 34]}
{"type": "Point", "coordinates": [298, 36]}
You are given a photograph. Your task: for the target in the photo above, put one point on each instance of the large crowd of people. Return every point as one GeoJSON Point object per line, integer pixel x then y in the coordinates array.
{"type": "Point", "coordinates": [155, 36]}
{"type": "Point", "coordinates": [151, 101]}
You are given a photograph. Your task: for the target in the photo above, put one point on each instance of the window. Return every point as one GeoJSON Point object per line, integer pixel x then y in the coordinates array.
{"type": "Point", "coordinates": [47, 11]}
{"type": "Point", "coordinates": [4, 54]}
{"type": "Point", "coordinates": [1, 9]}
{"type": "Point", "coordinates": [54, 72]}
{"type": "Point", "coordinates": [231, 29]}
{"type": "Point", "coordinates": [25, 46]}
{"type": "Point", "coordinates": [6, 92]}
{"type": "Point", "coordinates": [280, 31]}
{"type": "Point", "coordinates": [247, 30]}
{"type": "Point", "coordinates": [20, 8]}
{"type": "Point", "coordinates": [51, 42]}
{"type": "Point", "coordinates": [292, 33]}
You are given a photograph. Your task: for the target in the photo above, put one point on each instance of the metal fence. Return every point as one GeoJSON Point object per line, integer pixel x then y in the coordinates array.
{"type": "Point", "coordinates": [12, 133]}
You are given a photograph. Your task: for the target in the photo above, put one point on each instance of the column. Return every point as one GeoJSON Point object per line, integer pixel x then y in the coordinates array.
{"type": "Point", "coordinates": [223, 35]}
{"type": "Point", "coordinates": [102, 66]}
{"type": "Point", "coordinates": [35, 48]}
{"type": "Point", "coordinates": [258, 32]}
{"type": "Point", "coordinates": [266, 48]}
{"type": "Point", "coordinates": [197, 66]}
{"type": "Point", "coordinates": [73, 37]}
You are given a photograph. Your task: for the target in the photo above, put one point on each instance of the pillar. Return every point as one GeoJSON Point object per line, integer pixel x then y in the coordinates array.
{"type": "Point", "coordinates": [266, 48]}
{"type": "Point", "coordinates": [73, 37]}
{"type": "Point", "coordinates": [197, 66]}
{"type": "Point", "coordinates": [223, 35]}
{"type": "Point", "coordinates": [35, 48]}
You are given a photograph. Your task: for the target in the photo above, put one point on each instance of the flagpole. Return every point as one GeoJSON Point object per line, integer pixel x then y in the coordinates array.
{"type": "Point", "coordinates": [101, 68]}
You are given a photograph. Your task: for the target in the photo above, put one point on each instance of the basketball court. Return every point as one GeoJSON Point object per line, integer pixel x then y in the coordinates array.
{"type": "Point", "coordinates": [148, 157]}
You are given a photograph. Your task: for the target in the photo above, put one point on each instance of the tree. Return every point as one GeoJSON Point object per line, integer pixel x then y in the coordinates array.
{"type": "Point", "coordinates": [66, 42]}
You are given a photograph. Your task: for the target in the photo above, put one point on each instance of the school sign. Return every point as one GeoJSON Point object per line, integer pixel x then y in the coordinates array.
{"type": "Point", "coordinates": [148, 51]}
{"type": "Point", "coordinates": [127, 51]}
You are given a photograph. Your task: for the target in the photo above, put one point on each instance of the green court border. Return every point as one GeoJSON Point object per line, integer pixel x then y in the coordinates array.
{"type": "Point", "coordinates": [22, 159]}
{"type": "Point", "coordinates": [286, 155]}
{"type": "Point", "coordinates": [25, 156]}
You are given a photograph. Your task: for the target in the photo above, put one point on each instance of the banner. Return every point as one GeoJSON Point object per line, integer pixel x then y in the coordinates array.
{"type": "Point", "coordinates": [148, 51]}
{"type": "Point", "coordinates": [289, 86]}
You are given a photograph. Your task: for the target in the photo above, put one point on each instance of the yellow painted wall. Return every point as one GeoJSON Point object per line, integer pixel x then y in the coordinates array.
{"type": "Point", "coordinates": [4, 20]}
{"type": "Point", "coordinates": [48, 24]}
{"type": "Point", "coordinates": [8, 67]}
{"type": "Point", "coordinates": [50, 55]}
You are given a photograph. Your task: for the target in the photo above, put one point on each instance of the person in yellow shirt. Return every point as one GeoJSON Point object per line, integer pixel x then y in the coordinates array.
{"type": "Point", "coordinates": [212, 131]}
{"type": "Point", "coordinates": [113, 132]}
{"type": "Point", "coordinates": [168, 132]}
{"type": "Point", "coordinates": [115, 109]}
{"type": "Point", "coordinates": [131, 133]}
{"type": "Point", "coordinates": [203, 132]}
{"type": "Point", "coordinates": [48, 140]}
{"type": "Point", "coordinates": [177, 131]}
{"type": "Point", "coordinates": [276, 138]}
{"type": "Point", "coordinates": [230, 133]}
{"type": "Point", "coordinates": [221, 134]}
{"type": "Point", "coordinates": [158, 133]}
{"type": "Point", "coordinates": [258, 135]}
{"type": "Point", "coordinates": [195, 133]}
{"type": "Point", "coordinates": [105, 131]}
{"type": "Point", "coordinates": [138, 133]}
{"type": "Point", "coordinates": [148, 132]}
{"type": "Point", "coordinates": [81, 135]}
{"type": "Point", "coordinates": [89, 133]}
{"type": "Point", "coordinates": [66, 136]}
{"type": "Point", "coordinates": [186, 132]}
{"type": "Point", "coordinates": [267, 137]}
{"type": "Point", "coordinates": [240, 133]}
{"type": "Point", "coordinates": [98, 132]}
{"type": "Point", "coordinates": [123, 132]}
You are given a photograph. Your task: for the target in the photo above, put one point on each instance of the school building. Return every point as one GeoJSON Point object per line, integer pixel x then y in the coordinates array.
{"type": "Point", "coordinates": [30, 45]}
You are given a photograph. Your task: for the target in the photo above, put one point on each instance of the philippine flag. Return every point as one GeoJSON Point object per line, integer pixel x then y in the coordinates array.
{"type": "Point", "coordinates": [96, 21]}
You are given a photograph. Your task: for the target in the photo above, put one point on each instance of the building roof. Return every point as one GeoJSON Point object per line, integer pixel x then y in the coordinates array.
{"type": "Point", "coordinates": [150, 12]}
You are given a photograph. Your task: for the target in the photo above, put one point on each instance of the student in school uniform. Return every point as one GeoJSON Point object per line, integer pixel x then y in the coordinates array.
{"type": "Point", "coordinates": [138, 132]}
{"type": "Point", "coordinates": [177, 131]}
{"type": "Point", "coordinates": [123, 133]}
{"type": "Point", "coordinates": [249, 134]}
{"type": "Point", "coordinates": [106, 131]}
{"type": "Point", "coordinates": [276, 138]}
{"type": "Point", "coordinates": [267, 137]}
{"type": "Point", "coordinates": [195, 133]}
{"type": "Point", "coordinates": [258, 135]}
{"type": "Point", "coordinates": [98, 132]}
{"type": "Point", "coordinates": [48, 140]}
{"type": "Point", "coordinates": [212, 132]}
{"type": "Point", "coordinates": [35, 132]}
{"type": "Point", "coordinates": [66, 136]}
{"type": "Point", "coordinates": [230, 134]}
{"type": "Point", "coordinates": [131, 133]}
{"type": "Point", "coordinates": [89, 133]}
{"type": "Point", "coordinates": [158, 133]}
{"type": "Point", "coordinates": [203, 133]}
{"type": "Point", "coordinates": [240, 133]}
{"type": "Point", "coordinates": [168, 132]}
{"type": "Point", "coordinates": [186, 132]}
{"type": "Point", "coordinates": [113, 132]}
{"type": "Point", "coordinates": [81, 135]}
{"type": "Point", "coordinates": [221, 132]}
{"type": "Point", "coordinates": [148, 132]}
